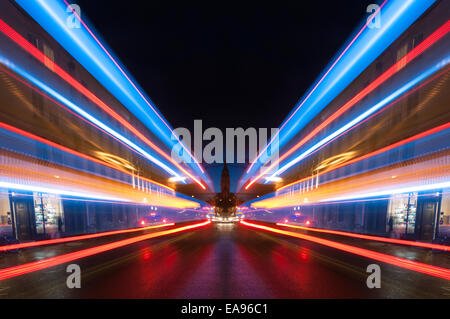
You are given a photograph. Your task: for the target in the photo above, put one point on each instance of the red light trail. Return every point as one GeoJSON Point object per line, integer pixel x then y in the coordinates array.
{"type": "Point", "coordinates": [379, 151]}
{"type": "Point", "coordinates": [81, 237]}
{"type": "Point", "coordinates": [376, 238]}
{"type": "Point", "coordinates": [396, 261]}
{"type": "Point", "coordinates": [73, 152]}
{"type": "Point", "coordinates": [61, 259]}
{"type": "Point", "coordinates": [131, 82]}
{"type": "Point", "coordinates": [320, 81]}
{"type": "Point", "coordinates": [423, 46]}
{"type": "Point", "coordinates": [41, 57]}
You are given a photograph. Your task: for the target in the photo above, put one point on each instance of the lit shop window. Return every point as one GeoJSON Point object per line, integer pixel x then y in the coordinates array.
{"type": "Point", "coordinates": [49, 214]}
{"type": "Point", "coordinates": [402, 214]}
{"type": "Point", "coordinates": [444, 213]}
{"type": "Point", "coordinates": [5, 214]}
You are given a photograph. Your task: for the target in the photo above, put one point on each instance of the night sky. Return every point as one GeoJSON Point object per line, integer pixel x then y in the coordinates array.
{"type": "Point", "coordinates": [231, 64]}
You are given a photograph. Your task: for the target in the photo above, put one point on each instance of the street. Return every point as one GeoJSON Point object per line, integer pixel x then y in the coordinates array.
{"type": "Point", "coordinates": [221, 261]}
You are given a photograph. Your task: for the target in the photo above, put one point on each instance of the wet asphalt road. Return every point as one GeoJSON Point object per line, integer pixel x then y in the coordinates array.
{"type": "Point", "coordinates": [223, 261]}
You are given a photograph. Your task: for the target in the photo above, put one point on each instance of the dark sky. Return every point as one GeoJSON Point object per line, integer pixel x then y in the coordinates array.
{"type": "Point", "coordinates": [231, 64]}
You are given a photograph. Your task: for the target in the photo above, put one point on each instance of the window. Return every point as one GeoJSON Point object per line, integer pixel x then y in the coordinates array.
{"type": "Point", "coordinates": [48, 212]}
{"type": "Point", "coordinates": [400, 54]}
{"type": "Point", "coordinates": [402, 214]}
{"type": "Point", "coordinates": [5, 214]}
{"type": "Point", "coordinates": [444, 214]}
{"type": "Point", "coordinates": [49, 57]}
{"type": "Point", "coordinates": [417, 40]}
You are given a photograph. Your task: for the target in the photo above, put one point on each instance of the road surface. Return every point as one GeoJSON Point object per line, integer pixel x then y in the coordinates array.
{"type": "Point", "coordinates": [220, 261]}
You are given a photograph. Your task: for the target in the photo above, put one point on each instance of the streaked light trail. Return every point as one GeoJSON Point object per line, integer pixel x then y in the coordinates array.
{"type": "Point", "coordinates": [86, 48]}
{"type": "Point", "coordinates": [361, 51]}
{"type": "Point", "coordinates": [422, 76]}
{"type": "Point", "coordinates": [393, 191]}
{"type": "Point", "coordinates": [377, 152]}
{"type": "Point", "coordinates": [317, 84]}
{"type": "Point", "coordinates": [85, 114]}
{"type": "Point", "coordinates": [132, 83]}
{"type": "Point", "coordinates": [368, 237]}
{"type": "Point", "coordinates": [399, 65]}
{"type": "Point", "coordinates": [43, 189]}
{"type": "Point", "coordinates": [396, 261]}
{"type": "Point", "coordinates": [61, 259]}
{"type": "Point", "coordinates": [80, 237]}
{"type": "Point", "coordinates": [73, 152]}
{"type": "Point", "coordinates": [40, 56]}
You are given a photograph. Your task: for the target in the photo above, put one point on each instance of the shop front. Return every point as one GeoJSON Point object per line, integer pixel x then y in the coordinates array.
{"type": "Point", "coordinates": [444, 216]}
{"type": "Point", "coordinates": [428, 206]}
{"type": "Point", "coordinates": [6, 222]}
{"type": "Point", "coordinates": [48, 215]}
{"type": "Point", "coordinates": [33, 215]}
{"type": "Point", "coordinates": [418, 216]}
{"type": "Point", "coordinates": [401, 221]}
{"type": "Point", "coordinates": [22, 216]}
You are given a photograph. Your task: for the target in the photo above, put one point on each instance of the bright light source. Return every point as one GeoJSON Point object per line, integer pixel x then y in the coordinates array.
{"type": "Point", "coordinates": [275, 179]}
{"type": "Point", "coordinates": [175, 179]}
